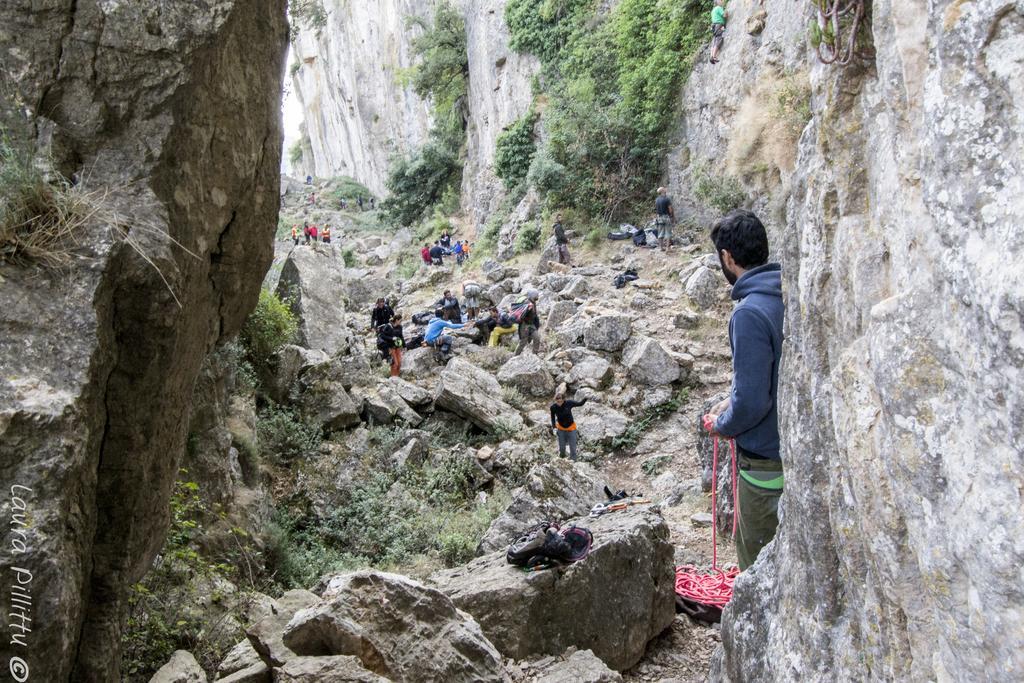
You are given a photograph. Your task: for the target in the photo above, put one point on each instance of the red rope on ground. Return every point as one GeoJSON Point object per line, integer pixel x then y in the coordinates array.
{"type": "Point", "coordinates": [712, 587]}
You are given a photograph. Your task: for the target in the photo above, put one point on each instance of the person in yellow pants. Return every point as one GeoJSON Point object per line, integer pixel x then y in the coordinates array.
{"type": "Point", "coordinates": [506, 325]}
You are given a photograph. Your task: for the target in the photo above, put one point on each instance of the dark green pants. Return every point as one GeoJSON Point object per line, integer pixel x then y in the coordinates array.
{"type": "Point", "coordinates": [760, 485]}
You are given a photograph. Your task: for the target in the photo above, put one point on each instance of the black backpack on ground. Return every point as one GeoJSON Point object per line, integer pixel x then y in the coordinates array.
{"type": "Point", "coordinates": [422, 318]}
{"type": "Point", "coordinates": [414, 342]}
{"type": "Point", "coordinates": [640, 238]}
{"type": "Point", "coordinates": [547, 544]}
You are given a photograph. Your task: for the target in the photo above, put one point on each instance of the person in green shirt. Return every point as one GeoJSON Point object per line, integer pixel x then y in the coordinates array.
{"type": "Point", "coordinates": [718, 17]}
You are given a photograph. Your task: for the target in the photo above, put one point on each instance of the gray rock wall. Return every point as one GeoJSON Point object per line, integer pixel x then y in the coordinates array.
{"type": "Point", "coordinates": [499, 94]}
{"type": "Point", "coordinates": [899, 552]}
{"type": "Point", "coordinates": [169, 113]}
{"type": "Point", "coordinates": [358, 113]}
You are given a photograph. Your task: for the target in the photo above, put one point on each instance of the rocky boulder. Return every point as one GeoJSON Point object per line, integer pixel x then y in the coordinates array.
{"type": "Point", "coordinates": [383, 405]}
{"type": "Point", "coordinates": [313, 280]}
{"type": "Point", "coordinates": [397, 628]}
{"type": "Point", "coordinates": [647, 363]}
{"type": "Point", "coordinates": [472, 393]}
{"type": "Point", "coordinates": [292, 361]}
{"type": "Point", "coordinates": [164, 119]}
{"type": "Point", "coordinates": [265, 634]}
{"type": "Point", "coordinates": [419, 363]}
{"type": "Point", "coordinates": [583, 368]}
{"type": "Point", "coordinates": [612, 603]}
{"type": "Point", "coordinates": [607, 332]}
{"type": "Point", "coordinates": [572, 330]}
{"type": "Point", "coordinates": [527, 373]}
{"type": "Point", "coordinates": [323, 399]}
{"type": "Point", "coordinates": [704, 286]}
{"type": "Point", "coordinates": [556, 490]}
{"type": "Point", "coordinates": [337, 669]}
{"type": "Point", "coordinates": [600, 425]}
{"type": "Point", "coordinates": [559, 312]}
{"type": "Point", "coordinates": [182, 668]}
{"type": "Point", "coordinates": [575, 666]}
{"type": "Point", "coordinates": [415, 396]}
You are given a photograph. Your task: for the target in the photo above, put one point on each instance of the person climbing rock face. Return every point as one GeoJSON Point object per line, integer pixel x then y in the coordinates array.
{"type": "Point", "coordinates": [562, 241]}
{"type": "Point", "coordinates": [718, 17]}
{"type": "Point", "coordinates": [563, 425]}
{"type": "Point", "coordinates": [750, 414]}
{"type": "Point", "coordinates": [394, 342]}
{"type": "Point", "coordinates": [664, 218]}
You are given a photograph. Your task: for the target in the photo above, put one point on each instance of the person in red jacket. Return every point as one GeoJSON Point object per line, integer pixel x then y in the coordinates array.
{"type": "Point", "coordinates": [425, 254]}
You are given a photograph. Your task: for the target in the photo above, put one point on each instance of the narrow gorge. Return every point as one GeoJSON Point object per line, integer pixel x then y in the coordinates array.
{"type": "Point", "coordinates": [210, 472]}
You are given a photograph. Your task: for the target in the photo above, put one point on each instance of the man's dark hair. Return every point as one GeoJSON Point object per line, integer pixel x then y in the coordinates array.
{"type": "Point", "coordinates": [742, 234]}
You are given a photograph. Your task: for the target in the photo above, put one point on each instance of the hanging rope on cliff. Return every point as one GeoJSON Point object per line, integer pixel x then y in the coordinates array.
{"type": "Point", "coordinates": [704, 592]}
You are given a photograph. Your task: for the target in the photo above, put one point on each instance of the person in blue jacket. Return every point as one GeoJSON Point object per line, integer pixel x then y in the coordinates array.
{"type": "Point", "coordinates": [434, 335]}
{"type": "Point", "coordinates": [750, 414]}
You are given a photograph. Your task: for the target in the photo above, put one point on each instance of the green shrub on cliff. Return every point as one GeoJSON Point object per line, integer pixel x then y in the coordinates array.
{"type": "Point", "coordinates": [269, 327]}
{"type": "Point", "coordinates": [432, 175]}
{"type": "Point", "coordinates": [514, 151]}
{"type": "Point", "coordinates": [611, 85]}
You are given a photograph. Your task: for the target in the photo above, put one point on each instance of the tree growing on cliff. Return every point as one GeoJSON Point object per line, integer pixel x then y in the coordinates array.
{"type": "Point", "coordinates": [432, 175]}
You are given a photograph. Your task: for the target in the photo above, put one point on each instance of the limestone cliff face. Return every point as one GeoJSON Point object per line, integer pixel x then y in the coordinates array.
{"type": "Point", "coordinates": [358, 114]}
{"type": "Point", "coordinates": [900, 548]}
{"type": "Point", "coordinates": [169, 114]}
{"type": "Point", "coordinates": [499, 94]}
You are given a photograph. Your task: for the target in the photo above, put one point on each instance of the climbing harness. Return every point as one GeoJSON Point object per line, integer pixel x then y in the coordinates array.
{"type": "Point", "coordinates": [711, 588]}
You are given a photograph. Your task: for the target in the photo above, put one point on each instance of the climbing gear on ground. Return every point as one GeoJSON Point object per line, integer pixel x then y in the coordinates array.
{"type": "Point", "coordinates": [549, 544]}
{"type": "Point", "coordinates": [628, 276]}
{"type": "Point", "coordinates": [703, 593]}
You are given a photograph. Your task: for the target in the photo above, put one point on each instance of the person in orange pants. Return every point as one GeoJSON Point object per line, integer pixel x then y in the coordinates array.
{"type": "Point", "coordinates": [391, 335]}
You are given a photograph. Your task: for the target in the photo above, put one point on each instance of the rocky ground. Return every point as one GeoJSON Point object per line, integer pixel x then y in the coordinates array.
{"type": "Point", "coordinates": [650, 356]}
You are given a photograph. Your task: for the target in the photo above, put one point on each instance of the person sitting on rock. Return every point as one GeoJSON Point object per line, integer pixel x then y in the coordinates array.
{"type": "Point", "coordinates": [449, 304]}
{"type": "Point", "coordinates": [563, 425]}
{"type": "Point", "coordinates": [381, 314]}
{"type": "Point", "coordinates": [394, 341]}
{"type": "Point", "coordinates": [505, 325]}
{"type": "Point", "coordinates": [425, 254]}
{"type": "Point", "coordinates": [359, 201]}
{"type": "Point", "coordinates": [373, 203]}
{"type": "Point", "coordinates": [434, 335]}
{"type": "Point", "coordinates": [309, 180]}
{"type": "Point", "coordinates": [529, 324]}
{"type": "Point", "coordinates": [485, 327]}
{"type": "Point", "coordinates": [471, 291]}
{"type": "Point", "coordinates": [718, 17]}
{"type": "Point", "coordinates": [437, 254]}
{"type": "Point", "coordinates": [446, 241]}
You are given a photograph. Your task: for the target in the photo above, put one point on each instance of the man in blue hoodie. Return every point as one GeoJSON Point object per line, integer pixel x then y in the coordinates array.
{"type": "Point", "coordinates": [434, 335]}
{"type": "Point", "coordinates": [750, 414]}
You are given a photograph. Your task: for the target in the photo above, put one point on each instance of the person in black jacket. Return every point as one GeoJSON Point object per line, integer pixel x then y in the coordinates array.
{"type": "Point", "coordinates": [563, 425]}
{"type": "Point", "coordinates": [390, 335]}
{"type": "Point", "coordinates": [381, 314]}
{"type": "Point", "coordinates": [449, 304]}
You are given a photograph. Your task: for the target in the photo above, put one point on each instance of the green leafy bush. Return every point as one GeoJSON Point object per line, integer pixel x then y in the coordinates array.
{"type": "Point", "coordinates": [529, 237]}
{"type": "Point", "coordinates": [349, 257]}
{"type": "Point", "coordinates": [611, 84]}
{"type": "Point", "coordinates": [284, 436]}
{"type": "Point", "coordinates": [269, 327]}
{"type": "Point", "coordinates": [309, 14]}
{"type": "Point", "coordinates": [344, 187]}
{"type": "Point", "coordinates": [187, 600]}
{"type": "Point", "coordinates": [631, 437]}
{"type": "Point", "coordinates": [514, 151]}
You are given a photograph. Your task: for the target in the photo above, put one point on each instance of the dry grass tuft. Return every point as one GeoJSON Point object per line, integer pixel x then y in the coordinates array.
{"type": "Point", "coordinates": [41, 219]}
